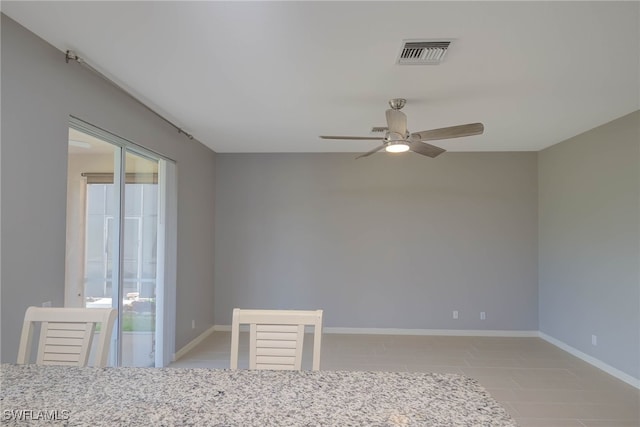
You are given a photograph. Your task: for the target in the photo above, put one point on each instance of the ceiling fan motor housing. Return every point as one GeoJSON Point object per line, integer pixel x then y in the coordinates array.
{"type": "Point", "coordinates": [397, 103]}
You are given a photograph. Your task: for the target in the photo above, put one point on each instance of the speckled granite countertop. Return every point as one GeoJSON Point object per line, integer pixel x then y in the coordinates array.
{"type": "Point", "coordinates": [208, 397]}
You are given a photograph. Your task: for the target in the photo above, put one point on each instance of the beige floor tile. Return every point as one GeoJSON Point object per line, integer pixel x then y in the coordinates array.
{"type": "Point", "coordinates": [544, 362]}
{"type": "Point", "coordinates": [576, 411]}
{"type": "Point", "coordinates": [545, 353]}
{"type": "Point", "coordinates": [503, 395]}
{"type": "Point", "coordinates": [495, 354]}
{"type": "Point", "coordinates": [209, 355]}
{"type": "Point", "coordinates": [200, 364]}
{"type": "Point", "coordinates": [488, 372]}
{"type": "Point", "coordinates": [510, 409]}
{"type": "Point", "coordinates": [545, 422]}
{"type": "Point", "coordinates": [444, 352]}
{"type": "Point", "coordinates": [555, 373]}
{"type": "Point", "coordinates": [439, 361]}
{"type": "Point", "coordinates": [536, 382]}
{"type": "Point", "coordinates": [495, 382]}
{"type": "Point", "coordinates": [435, 369]}
{"type": "Point", "coordinates": [609, 423]}
{"type": "Point", "coordinates": [493, 363]}
{"type": "Point", "coordinates": [569, 396]}
{"type": "Point", "coordinates": [364, 367]}
{"type": "Point", "coordinates": [552, 383]}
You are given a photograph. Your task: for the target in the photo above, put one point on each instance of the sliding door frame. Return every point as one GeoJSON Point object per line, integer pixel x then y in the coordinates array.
{"type": "Point", "coordinates": [167, 240]}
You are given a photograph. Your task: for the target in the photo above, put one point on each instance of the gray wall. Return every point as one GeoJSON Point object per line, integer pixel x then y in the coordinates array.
{"type": "Point", "coordinates": [589, 266]}
{"type": "Point", "coordinates": [39, 92]}
{"type": "Point", "coordinates": [314, 231]}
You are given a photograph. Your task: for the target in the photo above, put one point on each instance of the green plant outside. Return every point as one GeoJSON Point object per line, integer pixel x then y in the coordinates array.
{"type": "Point", "coordinates": [136, 322]}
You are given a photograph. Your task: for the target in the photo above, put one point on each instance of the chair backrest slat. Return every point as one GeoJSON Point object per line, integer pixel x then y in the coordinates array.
{"type": "Point", "coordinates": [276, 337]}
{"type": "Point", "coordinates": [66, 335]}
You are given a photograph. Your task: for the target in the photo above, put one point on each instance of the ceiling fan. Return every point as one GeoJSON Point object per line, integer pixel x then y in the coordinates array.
{"type": "Point", "coordinates": [397, 138]}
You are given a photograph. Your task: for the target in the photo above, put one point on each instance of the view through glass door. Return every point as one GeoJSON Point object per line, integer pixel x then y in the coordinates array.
{"type": "Point", "coordinates": [112, 258]}
{"type": "Point", "coordinates": [139, 261]}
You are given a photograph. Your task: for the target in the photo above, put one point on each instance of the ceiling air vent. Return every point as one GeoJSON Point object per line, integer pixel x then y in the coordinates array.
{"type": "Point", "coordinates": [417, 52]}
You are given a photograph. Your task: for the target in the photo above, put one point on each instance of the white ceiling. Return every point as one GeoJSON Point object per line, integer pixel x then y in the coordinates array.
{"type": "Point", "coordinates": [272, 76]}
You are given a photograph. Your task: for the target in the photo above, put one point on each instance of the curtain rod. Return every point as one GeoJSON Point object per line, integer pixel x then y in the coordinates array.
{"type": "Point", "coordinates": [71, 56]}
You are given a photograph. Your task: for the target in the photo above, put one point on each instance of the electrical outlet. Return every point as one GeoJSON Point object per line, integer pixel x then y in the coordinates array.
{"type": "Point", "coordinates": [46, 304]}
{"type": "Point", "coordinates": [483, 315]}
{"type": "Point", "coordinates": [594, 340]}
{"type": "Point", "coordinates": [455, 314]}
{"type": "Point", "coordinates": [193, 324]}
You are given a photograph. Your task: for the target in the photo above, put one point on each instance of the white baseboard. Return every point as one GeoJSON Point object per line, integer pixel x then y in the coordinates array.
{"type": "Point", "coordinates": [191, 345]}
{"type": "Point", "coordinates": [399, 331]}
{"type": "Point", "coordinates": [427, 332]}
{"type": "Point", "coordinates": [635, 382]}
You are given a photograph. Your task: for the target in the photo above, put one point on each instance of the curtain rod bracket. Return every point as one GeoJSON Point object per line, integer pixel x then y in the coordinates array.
{"type": "Point", "coordinates": [71, 56]}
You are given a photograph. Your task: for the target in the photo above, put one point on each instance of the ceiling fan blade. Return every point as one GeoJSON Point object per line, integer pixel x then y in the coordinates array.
{"type": "Point", "coordinates": [364, 138]}
{"type": "Point", "coordinates": [425, 149]}
{"type": "Point", "coordinates": [375, 150]}
{"type": "Point", "coordinates": [450, 132]}
{"type": "Point", "coordinates": [397, 122]}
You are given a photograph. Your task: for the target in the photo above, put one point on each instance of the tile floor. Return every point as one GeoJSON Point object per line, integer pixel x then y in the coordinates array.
{"type": "Point", "coordinates": [538, 383]}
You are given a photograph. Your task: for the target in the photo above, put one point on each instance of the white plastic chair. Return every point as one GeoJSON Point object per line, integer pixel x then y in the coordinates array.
{"type": "Point", "coordinates": [66, 335]}
{"type": "Point", "coordinates": [276, 337]}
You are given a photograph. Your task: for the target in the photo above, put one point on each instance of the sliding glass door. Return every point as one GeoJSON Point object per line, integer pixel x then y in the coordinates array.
{"type": "Point", "coordinates": [116, 240]}
{"type": "Point", "coordinates": [139, 260]}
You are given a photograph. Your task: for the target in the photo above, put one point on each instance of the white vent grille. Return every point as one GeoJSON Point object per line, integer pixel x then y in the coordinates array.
{"type": "Point", "coordinates": [423, 52]}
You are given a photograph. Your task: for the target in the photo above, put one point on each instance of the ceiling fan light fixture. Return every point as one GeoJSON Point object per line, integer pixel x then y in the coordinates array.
{"type": "Point", "coordinates": [397, 147]}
